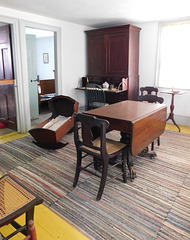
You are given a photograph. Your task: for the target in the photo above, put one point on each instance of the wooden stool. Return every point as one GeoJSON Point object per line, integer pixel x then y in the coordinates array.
{"type": "Point", "coordinates": [15, 200]}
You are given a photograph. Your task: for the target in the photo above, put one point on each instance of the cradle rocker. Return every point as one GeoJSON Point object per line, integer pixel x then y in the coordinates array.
{"type": "Point", "coordinates": [48, 133]}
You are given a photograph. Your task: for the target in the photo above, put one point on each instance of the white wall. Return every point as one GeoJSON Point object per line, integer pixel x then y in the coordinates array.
{"type": "Point", "coordinates": [45, 45]}
{"type": "Point", "coordinates": [74, 65]}
{"type": "Point", "coordinates": [147, 72]}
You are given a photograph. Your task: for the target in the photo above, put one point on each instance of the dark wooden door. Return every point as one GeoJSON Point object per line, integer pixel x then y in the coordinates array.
{"type": "Point", "coordinates": [7, 95]}
{"type": "Point", "coordinates": [7, 105]}
{"type": "Point", "coordinates": [6, 69]}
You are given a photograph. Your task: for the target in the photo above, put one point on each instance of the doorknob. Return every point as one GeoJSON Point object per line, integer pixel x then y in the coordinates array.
{"type": "Point", "coordinates": [34, 80]}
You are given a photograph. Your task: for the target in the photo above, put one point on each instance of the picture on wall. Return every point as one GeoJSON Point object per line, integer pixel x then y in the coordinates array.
{"type": "Point", "coordinates": [45, 57]}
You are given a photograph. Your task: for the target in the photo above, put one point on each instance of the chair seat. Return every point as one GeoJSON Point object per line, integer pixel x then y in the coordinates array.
{"type": "Point", "coordinates": [111, 146]}
{"type": "Point", "coordinates": [98, 104]}
{"type": "Point", "coordinates": [13, 197]}
{"type": "Point", "coordinates": [15, 200]}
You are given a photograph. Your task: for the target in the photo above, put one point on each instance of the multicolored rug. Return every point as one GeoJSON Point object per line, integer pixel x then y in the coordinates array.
{"type": "Point", "coordinates": [156, 205]}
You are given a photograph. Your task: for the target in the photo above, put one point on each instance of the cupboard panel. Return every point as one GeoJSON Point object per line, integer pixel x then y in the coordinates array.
{"type": "Point", "coordinates": [97, 55]}
{"type": "Point", "coordinates": [118, 54]}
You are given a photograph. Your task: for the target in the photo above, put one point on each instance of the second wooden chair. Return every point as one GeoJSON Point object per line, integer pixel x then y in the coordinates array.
{"type": "Point", "coordinates": [150, 97]}
{"type": "Point", "coordinates": [101, 149]}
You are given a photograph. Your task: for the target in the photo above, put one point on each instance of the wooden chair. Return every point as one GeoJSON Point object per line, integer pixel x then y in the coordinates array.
{"type": "Point", "coordinates": [151, 97]}
{"type": "Point", "coordinates": [16, 200]}
{"type": "Point", "coordinates": [101, 149]}
{"type": "Point", "coordinates": [32, 231]}
{"type": "Point", "coordinates": [95, 96]}
{"type": "Point", "coordinates": [148, 90]}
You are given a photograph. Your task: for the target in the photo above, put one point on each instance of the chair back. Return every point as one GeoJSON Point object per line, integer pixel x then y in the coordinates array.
{"type": "Point", "coordinates": [148, 90]}
{"type": "Point", "coordinates": [85, 136]}
{"type": "Point", "coordinates": [150, 98]}
{"type": "Point", "coordinates": [149, 94]}
{"type": "Point", "coordinates": [95, 95]}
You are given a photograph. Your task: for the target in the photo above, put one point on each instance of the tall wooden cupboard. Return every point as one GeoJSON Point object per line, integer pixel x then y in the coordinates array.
{"type": "Point", "coordinates": [113, 54]}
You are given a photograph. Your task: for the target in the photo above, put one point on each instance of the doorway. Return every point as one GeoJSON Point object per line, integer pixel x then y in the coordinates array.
{"type": "Point", "coordinates": [41, 72]}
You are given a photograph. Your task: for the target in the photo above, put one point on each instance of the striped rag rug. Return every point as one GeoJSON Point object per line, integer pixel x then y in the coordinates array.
{"type": "Point", "coordinates": [156, 205]}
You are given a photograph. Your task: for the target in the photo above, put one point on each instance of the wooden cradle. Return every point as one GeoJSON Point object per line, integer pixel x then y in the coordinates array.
{"type": "Point", "coordinates": [59, 106]}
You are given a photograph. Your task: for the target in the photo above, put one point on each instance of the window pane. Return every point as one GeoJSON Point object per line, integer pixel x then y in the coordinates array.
{"type": "Point", "coordinates": [175, 56]}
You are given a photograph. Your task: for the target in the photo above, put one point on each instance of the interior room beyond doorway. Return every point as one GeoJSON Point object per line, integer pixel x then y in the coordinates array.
{"type": "Point", "coordinates": [41, 71]}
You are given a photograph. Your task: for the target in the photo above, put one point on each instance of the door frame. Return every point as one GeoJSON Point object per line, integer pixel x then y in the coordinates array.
{"type": "Point", "coordinates": [57, 41]}
{"type": "Point", "coordinates": [20, 67]}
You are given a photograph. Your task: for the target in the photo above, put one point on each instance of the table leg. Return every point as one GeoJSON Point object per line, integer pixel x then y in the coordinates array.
{"type": "Point", "coordinates": [171, 115]}
{"type": "Point", "coordinates": [126, 138]}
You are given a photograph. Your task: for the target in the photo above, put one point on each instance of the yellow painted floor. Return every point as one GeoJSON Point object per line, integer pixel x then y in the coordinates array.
{"type": "Point", "coordinates": [49, 226]}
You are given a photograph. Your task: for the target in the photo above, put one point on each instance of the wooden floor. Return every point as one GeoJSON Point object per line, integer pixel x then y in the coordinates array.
{"type": "Point", "coordinates": [50, 226]}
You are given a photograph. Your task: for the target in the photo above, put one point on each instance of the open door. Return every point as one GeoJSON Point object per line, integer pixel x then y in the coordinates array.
{"type": "Point", "coordinates": [32, 75]}
{"type": "Point", "coordinates": [41, 62]}
{"type": "Point", "coordinates": [7, 91]}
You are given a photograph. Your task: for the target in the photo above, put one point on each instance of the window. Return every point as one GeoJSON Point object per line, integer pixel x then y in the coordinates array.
{"type": "Point", "coordinates": [173, 70]}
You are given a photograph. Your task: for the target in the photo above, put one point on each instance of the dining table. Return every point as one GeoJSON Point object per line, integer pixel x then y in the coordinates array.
{"type": "Point", "coordinates": [140, 123]}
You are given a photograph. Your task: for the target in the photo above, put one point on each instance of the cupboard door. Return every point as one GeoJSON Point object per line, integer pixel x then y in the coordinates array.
{"type": "Point", "coordinates": [97, 55]}
{"type": "Point", "coordinates": [117, 50]}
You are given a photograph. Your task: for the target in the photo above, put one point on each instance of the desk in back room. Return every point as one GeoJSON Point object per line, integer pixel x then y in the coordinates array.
{"type": "Point", "coordinates": [143, 121]}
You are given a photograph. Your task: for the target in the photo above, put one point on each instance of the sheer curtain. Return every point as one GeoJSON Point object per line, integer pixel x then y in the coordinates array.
{"type": "Point", "coordinates": [173, 70]}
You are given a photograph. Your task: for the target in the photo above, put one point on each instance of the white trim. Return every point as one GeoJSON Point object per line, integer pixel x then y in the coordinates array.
{"type": "Point", "coordinates": [25, 109]}
{"type": "Point", "coordinates": [158, 55]}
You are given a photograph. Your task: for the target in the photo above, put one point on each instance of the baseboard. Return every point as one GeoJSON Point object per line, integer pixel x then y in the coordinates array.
{"type": "Point", "coordinates": [181, 120]}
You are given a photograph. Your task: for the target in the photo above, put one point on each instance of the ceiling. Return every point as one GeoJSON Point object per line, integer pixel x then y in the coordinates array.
{"type": "Point", "coordinates": [103, 13]}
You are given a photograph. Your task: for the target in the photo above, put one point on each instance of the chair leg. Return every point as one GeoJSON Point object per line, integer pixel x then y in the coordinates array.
{"type": "Point", "coordinates": [158, 141]}
{"type": "Point", "coordinates": [29, 216]}
{"type": "Point", "coordinates": [97, 164]}
{"type": "Point", "coordinates": [124, 157]}
{"type": "Point", "coordinates": [103, 179]}
{"type": "Point", "coordinates": [78, 168]}
{"type": "Point", "coordinates": [152, 146]}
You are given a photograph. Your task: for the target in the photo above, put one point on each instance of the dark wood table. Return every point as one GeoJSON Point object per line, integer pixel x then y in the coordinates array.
{"type": "Point", "coordinates": [142, 121]}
